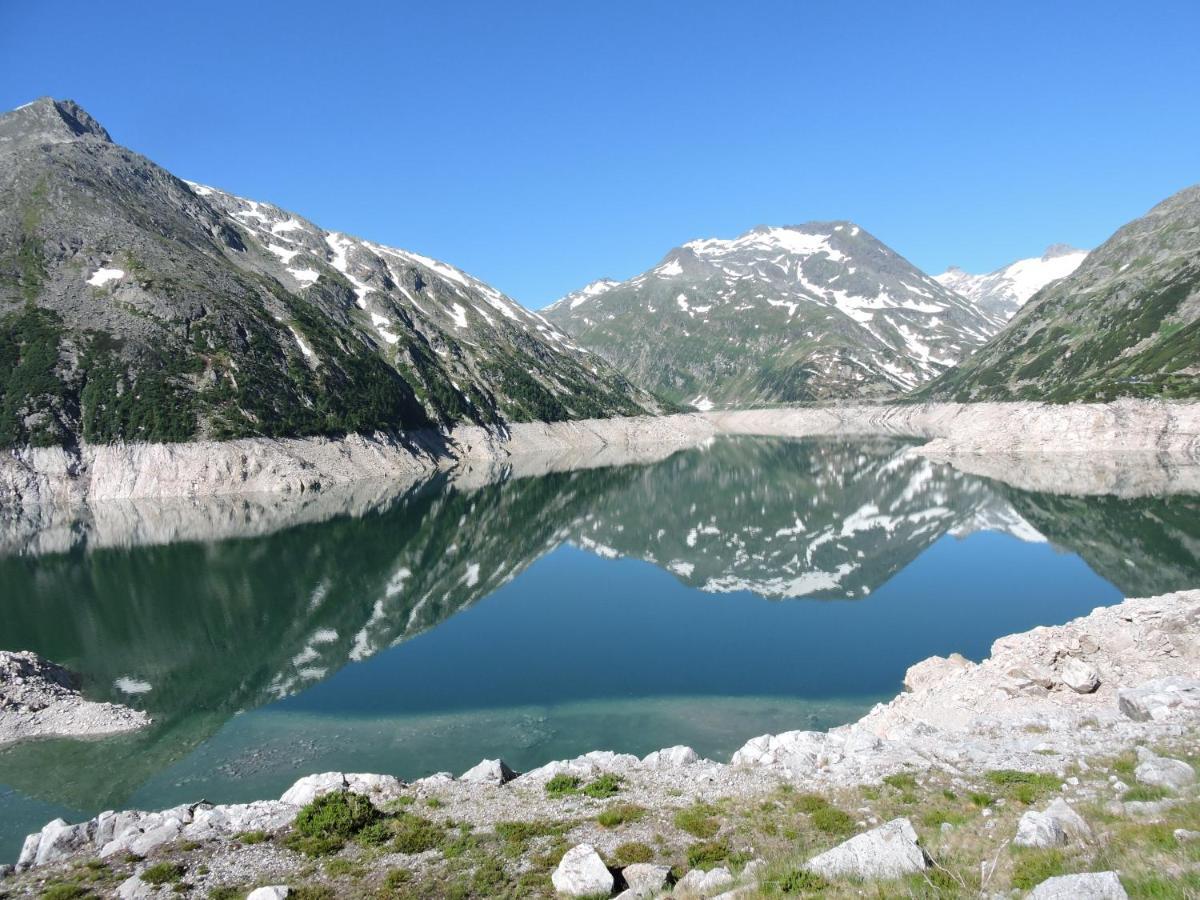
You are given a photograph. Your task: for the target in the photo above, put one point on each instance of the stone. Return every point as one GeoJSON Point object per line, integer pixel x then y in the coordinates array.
{"type": "Point", "coordinates": [1184, 835]}
{"type": "Point", "coordinates": [934, 670]}
{"type": "Point", "coordinates": [1163, 772]}
{"type": "Point", "coordinates": [308, 788]}
{"type": "Point", "coordinates": [1071, 823]}
{"type": "Point", "coordinates": [698, 883]}
{"type": "Point", "coordinates": [377, 788]}
{"type": "Point", "coordinates": [489, 771]}
{"type": "Point", "coordinates": [671, 758]}
{"type": "Point", "coordinates": [1176, 697]}
{"type": "Point", "coordinates": [1080, 677]}
{"type": "Point", "coordinates": [753, 868]}
{"type": "Point", "coordinates": [645, 879]}
{"type": "Point", "coordinates": [151, 840]}
{"type": "Point", "coordinates": [1089, 886]}
{"type": "Point", "coordinates": [60, 840]}
{"type": "Point", "coordinates": [581, 872]}
{"type": "Point", "coordinates": [434, 780]}
{"type": "Point", "coordinates": [271, 892]}
{"type": "Point", "coordinates": [1056, 825]}
{"type": "Point", "coordinates": [889, 851]}
{"type": "Point", "coordinates": [133, 888]}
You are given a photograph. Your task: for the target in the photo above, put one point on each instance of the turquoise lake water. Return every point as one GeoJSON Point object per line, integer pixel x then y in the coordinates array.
{"type": "Point", "coordinates": [751, 586]}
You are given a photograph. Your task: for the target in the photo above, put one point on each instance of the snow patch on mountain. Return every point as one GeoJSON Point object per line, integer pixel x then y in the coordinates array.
{"type": "Point", "coordinates": [1007, 289]}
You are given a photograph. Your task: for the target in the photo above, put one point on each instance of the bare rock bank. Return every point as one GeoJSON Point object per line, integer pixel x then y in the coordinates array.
{"type": "Point", "coordinates": [41, 699]}
{"type": "Point", "coordinates": [297, 465]}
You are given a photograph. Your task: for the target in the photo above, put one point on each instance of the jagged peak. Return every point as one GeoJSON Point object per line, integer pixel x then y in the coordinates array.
{"type": "Point", "coordinates": [1054, 251]}
{"type": "Point", "coordinates": [51, 121]}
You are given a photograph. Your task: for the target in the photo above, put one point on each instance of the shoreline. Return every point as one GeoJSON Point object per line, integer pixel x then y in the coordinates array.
{"type": "Point", "coordinates": [1049, 701]}
{"type": "Point", "coordinates": [36, 476]}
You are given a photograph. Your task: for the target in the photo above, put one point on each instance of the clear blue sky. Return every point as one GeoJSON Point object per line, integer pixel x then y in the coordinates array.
{"type": "Point", "coordinates": [541, 145]}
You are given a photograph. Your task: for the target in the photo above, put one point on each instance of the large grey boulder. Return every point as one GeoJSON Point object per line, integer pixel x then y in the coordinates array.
{"type": "Point", "coordinates": [671, 758]}
{"type": "Point", "coordinates": [1088, 886]}
{"type": "Point", "coordinates": [270, 892]}
{"type": "Point", "coordinates": [698, 883]}
{"type": "Point", "coordinates": [1163, 772]}
{"type": "Point", "coordinates": [378, 788]}
{"type": "Point", "coordinates": [581, 873]}
{"type": "Point", "coordinates": [1058, 824]}
{"type": "Point", "coordinates": [1080, 677]}
{"type": "Point", "coordinates": [1174, 698]}
{"type": "Point", "coordinates": [133, 888]}
{"type": "Point", "coordinates": [646, 879]}
{"type": "Point", "coordinates": [489, 771]}
{"type": "Point", "coordinates": [889, 851]}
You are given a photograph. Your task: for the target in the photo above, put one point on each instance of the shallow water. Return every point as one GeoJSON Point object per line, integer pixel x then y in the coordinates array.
{"type": "Point", "coordinates": [751, 586]}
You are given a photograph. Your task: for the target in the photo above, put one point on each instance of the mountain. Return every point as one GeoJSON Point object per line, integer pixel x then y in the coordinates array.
{"type": "Point", "coordinates": [1125, 323]}
{"type": "Point", "coordinates": [797, 313]}
{"type": "Point", "coordinates": [137, 306]}
{"type": "Point", "coordinates": [1003, 292]}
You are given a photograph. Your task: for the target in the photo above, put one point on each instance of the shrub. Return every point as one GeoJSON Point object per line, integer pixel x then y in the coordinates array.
{"type": "Point", "coordinates": [810, 803]}
{"type": "Point", "coordinates": [621, 813]}
{"type": "Point", "coordinates": [801, 881]}
{"type": "Point", "coordinates": [632, 852]}
{"type": "Point", "coordinates": [698, 820]}
{"type": "Point", "coordinates": [831, 820]}
{"type": "Point", "coordinates": [374, 834]}
{"type": "Point", "coordinates": [561, 785]}
{"type": "Point", "coordinates": [1023, 786]}
{"type": "Point", "coordinates": [396, 878]}
{"type": "Point", "coordinates": [337, 815]}
{"type": "Point", "coordinates": [162, 873]}
{"type": "Point", "coordinates": [65, 890]}
{"type": "Point", "coordinates": [521, 832]}
{"type": "Point", "coordinates": [707, 854]}
{"type": "Point", "coordinates": [603, 787]}
{"type": "Point", "coordinates": [417, 835]}
{"type": "Point", "coordinates": [981, 800]}
{"type": "Point", "coordinates": [251, 837]}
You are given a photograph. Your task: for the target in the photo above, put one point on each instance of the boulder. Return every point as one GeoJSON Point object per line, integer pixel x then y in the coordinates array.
{"type": "Point", "coordinates": [646, 879]}
{"type": "Point", "coordinates": [133, 888]}
{"type": "Point", "coordinates": [698, 883]}
{"type": "Point", "coordinates": [1056, 825]}
{"type": "Point", "coordinates": [434, 780]}
{"type": "Point", "coordinates": [377, 788]}
{"type": "Point", "coordinates": [1089, 886]}
{"type": "Point", "coordinates": [310, 787]}
{"type": "Point", "coordinates": [581, 873]}
{"type": "Point", "coordinates": [934, 671]}
{"type": "Point", "coordinates": [59, 841]}
{"type": "Point", "coordinates": [1163, 772]}
{"type": "Point", "coordinates": [671, 758]}
{"type": "Point", "coordinates": [489, 771]}
{"type": "Point", "coordinates": [1080, 677]}
{"type": "Point", "coordinates": [270, 892]}
{"type": "Point", "coordinates": [1175, 698]}
{"type": "Point", "coordinates": [1184, 835]}
{"type": "Point", "coordinates": [889, 851]}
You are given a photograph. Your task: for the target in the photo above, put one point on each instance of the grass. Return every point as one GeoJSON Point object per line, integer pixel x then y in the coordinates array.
{"type": "Point", "coordinates": [707, 854]}
{"type": "Point", "coordinates": [632, 852]}
{"type": "Point", "coordinates": [1144, 793]}
{"type": "Point", "coordinates": [620, 814]}
{"type": "Point", "coordinates": [162, 873]}
{"type": "Point", "coordinates": [65, 890]}
{"type": "Point", "coordinates": [603, 787]}
{"type": "Point", "coordinates": [1032, 867]}
{"type": "Point", "coordinates": [562, 785]}
{"type": "Point", "coordinates": [599, 788]}
{"type": "Point", "coordinates": [1026, 787]}
{"type": "Point", "coordinates": [698, 820]}
{"type": "Point", "coordinates": [901, 781]}
{"type": "Point", "coordinates": [829, 820]}
{"type": "Point", "coordinates": [414, 834]}
{"type": "Point", "coordinates": [251, 837]}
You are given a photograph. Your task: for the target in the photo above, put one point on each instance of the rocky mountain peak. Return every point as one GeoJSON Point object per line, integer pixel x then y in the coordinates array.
{"type": "Point", "coordinates": [1054, 251]}
{"type": "Point", "coordinates": [47, 120]}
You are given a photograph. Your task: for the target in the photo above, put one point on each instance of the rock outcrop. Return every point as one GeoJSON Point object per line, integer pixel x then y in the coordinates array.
{"type": "Point", "coordinates": [889, 851]}
{"type": "Point", "coordinates": [41, 699]}
{"type": "Point", "coordinates": [582, 873]}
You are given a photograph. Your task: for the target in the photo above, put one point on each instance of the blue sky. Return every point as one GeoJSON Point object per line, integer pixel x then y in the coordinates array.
{"type": "Point", "coordinates": [540, 145]}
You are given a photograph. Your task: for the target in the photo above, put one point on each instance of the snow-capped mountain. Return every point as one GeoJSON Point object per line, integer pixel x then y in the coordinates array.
{"type": "Point", "coordinates": [1003, 292]}
{"type": "Point", "coordinates": [175, 311]}
{"type": "Point", "coordinates": [805, 312]}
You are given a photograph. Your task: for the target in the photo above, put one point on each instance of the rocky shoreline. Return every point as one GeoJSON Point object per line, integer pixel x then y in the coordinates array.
{"type": "Point", "coordinates": [41, 699]}
{"type": "Point", "coordinates": [34, 476]}
{"type": "Point", "coordinates": [1048, 714]}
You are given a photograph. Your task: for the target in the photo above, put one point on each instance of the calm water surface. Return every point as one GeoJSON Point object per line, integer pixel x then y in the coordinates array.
{"type": "Point", "coordinates": [754, 585]}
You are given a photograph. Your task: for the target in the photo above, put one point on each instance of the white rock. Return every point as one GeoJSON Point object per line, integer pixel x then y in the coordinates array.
{"type": "Point", "coordinates": [310, 787]}
{"type": "Point", "coordinates": [378, 788]}
{"type": "Point", "coordinates": [489, 771]}
{"type": "Point", "coordinates": [1071, 823]}
{"type": "Point", "coordinates": [434, 780]}
{"type": "Point", "coordinates": [581, 872]}
{"type": "Point", "coordinates": [1183, 834]}
{"type": "Point", "coordinates": [889, 851]}
{"type": "Point", "coordinates": [1163, 772]}
{"type": "Point", "coordinates": [671, 758]}
{"type": "Point", "coordinates": [133, 888]}
{"type": "Point", "coordinates": [1080, 677]}
{"type": "Point", "coordinates": [644, 879]}
{"type": "Point", "coordinates": [1090, 886]}
{"type": "Point", "coordinates": [271, 892]}
{"type": "Point", "coordinates": [698, 883]}
{"type": "Point", "coordinates": [60, 840]}
{"type": "Point", "coordinates": [151, 840]}
{"type": "Point", "coordinates": [934, 671]}
{"type": "Point", "coordinates": [1036, 829]}
{"type": "Point", "coordinates": [1176, 697]}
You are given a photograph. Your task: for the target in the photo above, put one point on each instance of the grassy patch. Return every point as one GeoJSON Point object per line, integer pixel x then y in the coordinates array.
{"type": "Point", "coordinates": [414, 834]}
{"type": "Point", "coordinates": [620, 814]}
{"type": "Point", "coordinates": [250, 837]}
{"type": "Point", "coordinates": [698, 820]}
{"type": "Point", "coordinates": [1026, 787]}
{"type": "Point", "coordinates": [162, 873]}
{"type": "Point", "coordinates": [830, 820]}
{"type": "Point", "coordinates": [65, 890]}
{"type": "Point", "coordinates": [603, 786]}
{"type": "Point", "coordinates": [1032, 867]}
{"type": "Point", "coordinates": [562, 785]}
{"type": "Point", "coordinates": [632, 852]}
{"type": "Point", "coordinates": [707, 854]}
{"type": "Point", "coordinates": [1145, 793]}
{"type": "Point", "coordinates": [901, 781]}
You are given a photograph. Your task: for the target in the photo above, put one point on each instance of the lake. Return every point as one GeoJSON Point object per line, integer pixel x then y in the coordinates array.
{"type": "Point", "coordinates": [752, 585]}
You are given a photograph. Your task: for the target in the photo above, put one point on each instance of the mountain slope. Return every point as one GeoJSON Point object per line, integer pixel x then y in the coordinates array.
{"type": "Point", "coordinates": [1002, 292]}
{"type": "Point", "coordinates": [1125, 323]}
{"type": "Point", "coordinates": [136, 306]}
{"type": "Point", "coordinates": [807, 312]}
